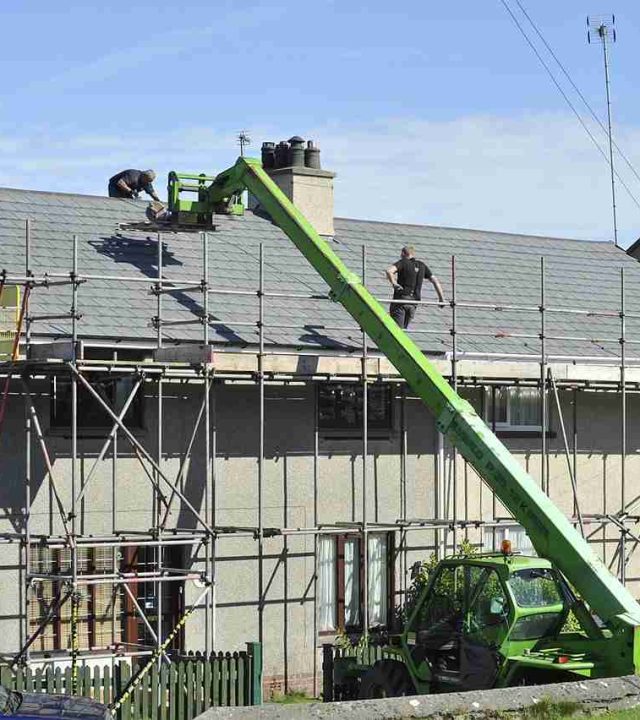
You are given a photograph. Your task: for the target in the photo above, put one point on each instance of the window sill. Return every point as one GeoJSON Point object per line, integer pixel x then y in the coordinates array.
{"type": "Point", "coordinates": [382, 435]}
{"type": "Point", "coordinates": [353, 632]}
{"type": "Point", "coordinates": [96, 433]}
{"type": "Point", "coordinates": [524, 433]}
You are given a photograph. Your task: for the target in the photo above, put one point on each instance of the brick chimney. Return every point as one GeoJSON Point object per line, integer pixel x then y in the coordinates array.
{"type": "Point", "coordinates": [295, 168]}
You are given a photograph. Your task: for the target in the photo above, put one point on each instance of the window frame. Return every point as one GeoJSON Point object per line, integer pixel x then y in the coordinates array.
{"type": "Point", "coordinates": [354, 432]}
{"type": "Point", "coordinates": [339, 573]}
{"type": "Point", "coordinates": [505, 429]}
{"type": "Point", "coordinates": [125, 635]}
{"type": "Point", "coordinates": [134, 419]}
{"type": "Point", "coordinates": [507, 529]}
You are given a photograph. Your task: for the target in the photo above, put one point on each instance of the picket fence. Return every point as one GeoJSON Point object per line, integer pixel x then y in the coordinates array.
{"type": "Point", "coordinates": [180, 691]}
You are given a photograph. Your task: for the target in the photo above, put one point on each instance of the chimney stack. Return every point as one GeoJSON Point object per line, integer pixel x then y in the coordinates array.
{"type": "Point", "coordinates": [295, 168]}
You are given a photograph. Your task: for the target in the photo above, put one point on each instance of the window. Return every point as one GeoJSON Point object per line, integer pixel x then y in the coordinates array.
{"type": "Point", "coordinates": [327, 606]}
{"type": "Point", "coordinates": [340, 577]}
{"type": "Point", "coordinates": [535, 587]}
{"type": "Point", "coordinates": [340, 407]}
{"type": "Point", "coordinates": [107, 616]}
{"type": "Point", "coordinates": [92, 417]}
{"type": "Point", "coordinates": [100, 605]}
{"type": "Point", "coordinates": [520, 541]}
{"type": "Point", "coordinates": [516, 408]}
{"type": "Point", "coordinates": [144, 559]}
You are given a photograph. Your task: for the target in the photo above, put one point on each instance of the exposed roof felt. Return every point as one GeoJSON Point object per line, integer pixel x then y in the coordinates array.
{"type": "Point", "coordinates": [490, 268]}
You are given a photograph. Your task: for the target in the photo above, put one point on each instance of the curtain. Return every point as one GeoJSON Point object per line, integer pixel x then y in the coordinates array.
{"type": "Point", "coordinates": [377, 584]}
{"type": "Point", "coordinates": [351, 581]}
{"type": "Point", "coordinates": [525, 406]}
{"type": "Point", "coordinates": [517, 406]}
{"type": "Point", "coordinates": [326, 583]}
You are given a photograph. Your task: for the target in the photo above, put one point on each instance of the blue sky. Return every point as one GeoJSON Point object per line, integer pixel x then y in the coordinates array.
{"type": "Point", "coordinates": [434, 113]}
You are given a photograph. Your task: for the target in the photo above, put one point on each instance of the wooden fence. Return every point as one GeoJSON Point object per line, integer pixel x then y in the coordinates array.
{"type": "Point", "coordinates": [180, 691]}
{"type": "Point", "coordinates": [332, 687]}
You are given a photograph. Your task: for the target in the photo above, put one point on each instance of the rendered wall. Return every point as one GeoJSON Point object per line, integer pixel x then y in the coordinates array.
{"type": "Point", "coordinates": [288, 494]}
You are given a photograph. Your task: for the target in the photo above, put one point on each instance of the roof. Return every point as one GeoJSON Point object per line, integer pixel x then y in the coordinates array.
{"type": "Point", "coordinates": [633, 249]}
{"type": "Point", "coordinates": [491, 267]}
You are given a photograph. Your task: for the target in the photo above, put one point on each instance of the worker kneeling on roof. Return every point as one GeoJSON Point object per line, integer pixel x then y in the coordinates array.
{"type": "Point", "coordinates": [129, 183]}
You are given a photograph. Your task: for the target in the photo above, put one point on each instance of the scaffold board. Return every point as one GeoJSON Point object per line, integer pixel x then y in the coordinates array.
{"type": "Point", "coordinates": [9, 317]}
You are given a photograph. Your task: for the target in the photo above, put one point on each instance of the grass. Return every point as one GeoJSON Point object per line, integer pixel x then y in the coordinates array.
{"type": "Point", "coordinates": [294, 697]}
{"type": "Point", "coordinates": [547, 709]}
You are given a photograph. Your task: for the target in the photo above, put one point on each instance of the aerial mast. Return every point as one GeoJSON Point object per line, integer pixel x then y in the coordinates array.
{"type": "Point", "coordinates": [603, 29]}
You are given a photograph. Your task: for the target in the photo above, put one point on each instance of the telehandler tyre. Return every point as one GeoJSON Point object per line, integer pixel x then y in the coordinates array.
{"type": "Point", "coordinates": [387, 678]}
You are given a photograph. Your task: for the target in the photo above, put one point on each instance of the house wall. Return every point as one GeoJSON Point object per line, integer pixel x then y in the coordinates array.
{"type": "Point", "coordinates": [288, 498]}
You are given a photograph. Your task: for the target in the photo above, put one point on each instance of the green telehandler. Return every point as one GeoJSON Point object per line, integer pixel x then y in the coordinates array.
{"type": "Point", "coordinates": [481, 621]}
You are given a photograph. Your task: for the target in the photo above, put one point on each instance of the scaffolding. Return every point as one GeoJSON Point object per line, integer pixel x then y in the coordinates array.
{"type": "Point", "coordinates": [206, 533]}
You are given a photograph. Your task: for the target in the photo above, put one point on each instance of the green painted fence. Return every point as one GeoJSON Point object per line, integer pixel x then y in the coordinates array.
{"type": "Point", "coordinates": [333, 688]}
{"type": "Point", "coordinates": [180, 691]}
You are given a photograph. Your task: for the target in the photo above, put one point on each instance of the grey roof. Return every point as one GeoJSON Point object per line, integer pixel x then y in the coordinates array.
{"type": "Point", "coordinates": [490, 268]}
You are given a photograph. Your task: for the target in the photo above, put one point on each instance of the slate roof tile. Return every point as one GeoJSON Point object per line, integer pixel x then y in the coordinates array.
{"type": "Point", "coordinates": [495, 268]}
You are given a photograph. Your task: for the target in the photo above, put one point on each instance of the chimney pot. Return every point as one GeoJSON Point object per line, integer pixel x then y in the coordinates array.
{"type": "Point", "coordinates": [282, 154]}
{"type": "Point", "coordinates": [268, 155]}
{"type": "Point", "coordinates": [312, 156]}
{"type": "Point", "coordinates": [296, 151]}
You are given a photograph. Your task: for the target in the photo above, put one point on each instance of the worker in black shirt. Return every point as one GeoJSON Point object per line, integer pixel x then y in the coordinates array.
{"type": "Point", "coordinates": [406, 277]}
{"type": "Point", "coordinates": [128, 183]}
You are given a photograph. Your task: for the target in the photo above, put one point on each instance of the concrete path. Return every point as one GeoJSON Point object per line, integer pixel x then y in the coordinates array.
{"type": "Point", "coordinates": [621, 692]}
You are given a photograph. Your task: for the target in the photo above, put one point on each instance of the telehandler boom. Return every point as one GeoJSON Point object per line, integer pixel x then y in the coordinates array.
{"type": "Point", "coordinates": [568, 573]}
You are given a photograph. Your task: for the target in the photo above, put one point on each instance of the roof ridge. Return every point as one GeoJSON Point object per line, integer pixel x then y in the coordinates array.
{"type": "Point", "coordinates": [478, 230]}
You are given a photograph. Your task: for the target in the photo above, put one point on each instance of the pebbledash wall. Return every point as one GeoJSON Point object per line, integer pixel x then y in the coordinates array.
{"type": "Point", "coordinates": [292, 480]}
{"type": "Point", "coordinates": [288, 562]}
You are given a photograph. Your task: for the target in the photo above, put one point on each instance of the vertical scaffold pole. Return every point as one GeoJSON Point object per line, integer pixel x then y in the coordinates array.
{"type": "Point", "coordinates": [261, 445]}
{"type": "Point", "coordinates": [623, 423]}
{"type": "Point", "coordinates": [75, 596]}
{"type": "Point", "coordinates": [454, 382]}
{"type": "Point", "coordinates": [159, 440]}
{"type": "Point", "coordinates": [27, 469]}
{"type": "Point", "coordinates": [27, 527]}
{"type": "Point", "coordinates": [208, 610]}
{"type": "Point", "coordinates": [543, 383]}
{"type": "Point", "coordinates": [316, 548]}
{"type": "Point", "coordinates": [403, 486]}
{"type": "Point", "coordinates": [214, 516]}
{"type": "Point", "coordinates": [27, 273]}
{"type": "Point", "coordinates": [365, 475]}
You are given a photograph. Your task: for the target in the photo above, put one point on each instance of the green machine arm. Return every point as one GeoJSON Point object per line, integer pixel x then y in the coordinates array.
{"type": "Point", "coordinates": [552, 534]}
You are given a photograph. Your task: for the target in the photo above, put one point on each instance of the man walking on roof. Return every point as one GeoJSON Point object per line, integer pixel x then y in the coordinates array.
{"type": "Point", "coordinates": [406, 277]}
{"type": "Point", "coordinates": [129, 183]}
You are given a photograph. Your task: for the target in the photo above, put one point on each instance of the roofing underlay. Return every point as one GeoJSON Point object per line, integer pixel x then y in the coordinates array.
{"type": "Point", "coordinates": [491, 267]}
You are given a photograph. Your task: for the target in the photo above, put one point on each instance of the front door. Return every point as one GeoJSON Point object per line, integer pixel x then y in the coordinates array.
{"type": "Point", "coordinates": [485, 628]}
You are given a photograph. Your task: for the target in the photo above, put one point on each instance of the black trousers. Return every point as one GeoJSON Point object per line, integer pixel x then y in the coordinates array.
{"type": "Point", "coordinates": [115, 191]}
{"type": "Point", "coordinates": [402, 314]}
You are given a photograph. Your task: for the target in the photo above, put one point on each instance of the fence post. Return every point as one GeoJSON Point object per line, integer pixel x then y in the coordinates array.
{"type": "Point", "coordinates": [7, 677]}
{"type": "Point", "coordinates": [254, 650]}
{"type": "Point", "coordinates": [123, 675]}
{"type": "Point", "coordinates": [327, 672]}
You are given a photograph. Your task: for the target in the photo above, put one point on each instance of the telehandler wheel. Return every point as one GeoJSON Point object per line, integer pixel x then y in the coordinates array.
{"type": "Point", "coordinates": [387, 678]}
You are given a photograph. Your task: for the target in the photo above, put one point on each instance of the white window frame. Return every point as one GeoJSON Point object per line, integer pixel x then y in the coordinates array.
{"type": "Point", "coordinates": [328, 591]}
{"type": "Point", "coordinates": [508, 531]}
{"type": "Point", "coordinates": [508, 425]}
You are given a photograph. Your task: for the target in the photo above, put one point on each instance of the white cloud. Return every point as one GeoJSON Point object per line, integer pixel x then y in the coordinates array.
{"type": "Point", "coordinates": [534, 174]}
{"type": "Point", "coordinates": [531, 174]}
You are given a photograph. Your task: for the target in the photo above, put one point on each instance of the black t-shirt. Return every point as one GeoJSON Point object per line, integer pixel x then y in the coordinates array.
{"type": "Point", "coordinates": [411, 273]}
{"type": "Point", "coordinates": [133, 178]}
